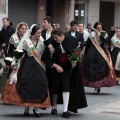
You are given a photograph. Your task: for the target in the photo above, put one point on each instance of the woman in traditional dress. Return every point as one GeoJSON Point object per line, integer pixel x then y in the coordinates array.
{"type": "Point", "coordinates": [97, 65]}
{"type": "Point", "coordinates": [31, 86]}
{"type": "Point", "coordinates": [115, 54]}
{"type": "Point", "coordinates": [13, 43]}
{"type": "Point", "coordinates": [21, 29]}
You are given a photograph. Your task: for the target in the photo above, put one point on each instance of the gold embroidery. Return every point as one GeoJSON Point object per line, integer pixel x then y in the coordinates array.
{"type": "Point", "coordinates": [109, 62]}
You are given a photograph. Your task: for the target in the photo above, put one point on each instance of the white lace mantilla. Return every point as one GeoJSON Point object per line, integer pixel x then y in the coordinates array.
{"type": "Point", "coordinates": [39, 48]}
{"type": "Point", "coordinates": [14, 40]}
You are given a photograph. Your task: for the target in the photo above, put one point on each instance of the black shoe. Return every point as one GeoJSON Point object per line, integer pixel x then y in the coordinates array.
{"type": "Point", "coordinates": [54, 111]}
{"type": "Point", "coordinates": [66, 114]}
{"type": "Point", "coordinates": [26, 113]}
{"type": "Point", "coordinates": [98, 91]}
{"type": "Point", "coordinates": [36, 114]}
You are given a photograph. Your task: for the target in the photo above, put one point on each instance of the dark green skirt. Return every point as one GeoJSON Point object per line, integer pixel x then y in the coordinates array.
{"type": "Point", "coordinates": [3, 79]}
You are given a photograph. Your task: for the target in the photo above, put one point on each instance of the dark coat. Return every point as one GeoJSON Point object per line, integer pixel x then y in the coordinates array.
{"type": "Point", "coordinates": [77, 94]}
{"type": "Point", "coordinates": [6, 34]}
{"type": "Point", "coordinates": [46, 42]}
{"type": "Point", "coordinates": [110, 35]}
{"type": "Point", "coordinates": [44, 34]}
{"type": "Point", "coordinates": [79, 36]}
{"type": "Point", "coordinates": [68, 44]}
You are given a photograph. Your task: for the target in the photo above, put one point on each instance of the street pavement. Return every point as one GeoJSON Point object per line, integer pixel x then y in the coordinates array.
{"type": "Point", "coordinates": [105, 106]}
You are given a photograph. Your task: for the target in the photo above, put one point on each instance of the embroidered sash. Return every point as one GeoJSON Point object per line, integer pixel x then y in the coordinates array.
{"type": "Point", "coordinates": [109, 62]}
{"type": "Point", "coordinates": [16, 40]}
{"type": "Point", "coordinates": [34, 52]}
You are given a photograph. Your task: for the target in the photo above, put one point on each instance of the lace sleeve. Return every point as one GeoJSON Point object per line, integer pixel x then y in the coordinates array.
{"type": "Point", "coordinates": [40, 47]}
{"type": "Point", "coordinates": [11, 41]}
{"type": "Point", "coordinates": [25, 46]}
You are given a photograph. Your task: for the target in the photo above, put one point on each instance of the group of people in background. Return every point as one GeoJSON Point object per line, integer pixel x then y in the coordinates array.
{"type": "Point", "coordinates": [44, 77]}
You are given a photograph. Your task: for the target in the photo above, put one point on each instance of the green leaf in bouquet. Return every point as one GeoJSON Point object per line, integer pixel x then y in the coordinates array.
{"type": "Point", "coordinates": [75, 56]}
{"type": "Point", "coordinates": [103, 33]}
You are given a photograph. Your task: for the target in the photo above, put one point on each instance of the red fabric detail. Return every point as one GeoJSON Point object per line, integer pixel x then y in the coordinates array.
{"type": "Point", "coordinates": [63, 57]}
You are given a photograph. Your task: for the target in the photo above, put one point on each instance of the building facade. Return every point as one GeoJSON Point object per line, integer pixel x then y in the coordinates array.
{"type": "Point", "coordinates": [3, 10]}
{"type": "Point", "coordinates": [62, 11]}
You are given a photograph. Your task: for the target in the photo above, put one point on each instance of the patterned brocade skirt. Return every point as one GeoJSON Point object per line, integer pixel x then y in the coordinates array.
{"type": "Point", "coordinates": [96, 72]}
{"type": "Point", "coordinates": [31, 88]}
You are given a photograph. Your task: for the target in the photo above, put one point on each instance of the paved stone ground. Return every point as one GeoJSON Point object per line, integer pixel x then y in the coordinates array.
{"type": "Point", "coordinates": [105, 106]}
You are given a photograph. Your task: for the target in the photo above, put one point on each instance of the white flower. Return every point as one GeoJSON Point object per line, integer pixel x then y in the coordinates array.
{"type": "Point", "coordinates": [18, 50]}
{"type": "Point", "coordinates": [9, 59]}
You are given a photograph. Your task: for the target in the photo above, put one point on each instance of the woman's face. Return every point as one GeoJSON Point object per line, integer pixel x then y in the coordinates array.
{"type": "Point", "coordinates": [37, 34]}
{"type": "Point", "coordinates": [22, 30]}
{"type": "Point", "coordinates": [89, 30]}
{"type": "Point", "coordinates": [99, 28]}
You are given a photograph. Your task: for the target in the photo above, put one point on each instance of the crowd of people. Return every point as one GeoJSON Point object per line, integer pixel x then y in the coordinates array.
{"type": "Point", "coordinates": [40, 75]}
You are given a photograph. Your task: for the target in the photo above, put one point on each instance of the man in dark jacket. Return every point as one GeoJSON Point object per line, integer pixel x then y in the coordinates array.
{"type": "Point", "coordinates": [72, 91]}
{"type": "Point", "coordinates": [48, 27]}
{"type": "Point", "coordinates": [5, 34]}
{"type": "Point", "coordinates": [73, 32]}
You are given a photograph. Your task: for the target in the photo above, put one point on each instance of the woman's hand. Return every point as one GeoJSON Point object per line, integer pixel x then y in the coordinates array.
{"type": "Point", "coordinates": [51, 49]}
{"type": "Point", "coordinates": [58, 68]}
{"type": "Point", "coordinates": [14, 68]}
{"type": "Point", "coordinates": [73, 64]}
{"type": "Point", "coordinates": [79, 43]}
{"type": "Point", "coordinates": [3, 45]}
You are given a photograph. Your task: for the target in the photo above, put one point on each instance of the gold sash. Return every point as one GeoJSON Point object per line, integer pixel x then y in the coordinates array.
{"type": "Point", "coordinates": [34, 52]}
{"type": "Point", "coordinates": [109, 62]}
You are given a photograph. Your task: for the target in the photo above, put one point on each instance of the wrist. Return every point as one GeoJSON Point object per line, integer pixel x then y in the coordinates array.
{"type": "Point", "coordinates": [55, 65]}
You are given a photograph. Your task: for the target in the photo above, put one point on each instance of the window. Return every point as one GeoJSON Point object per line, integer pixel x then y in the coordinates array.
{"type": "Point", "coordinates": [81, 11]}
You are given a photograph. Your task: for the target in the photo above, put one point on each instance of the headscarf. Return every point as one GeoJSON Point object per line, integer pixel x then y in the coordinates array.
{"type": "Point", "coordinates": [26, 36]}
{"type": "Point", "coordinates": [21, 23]}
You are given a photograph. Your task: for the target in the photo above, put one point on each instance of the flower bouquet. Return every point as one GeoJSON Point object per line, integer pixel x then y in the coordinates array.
{"type": "Point", "coordinates": [117, 43]}
{"type": "Point", "coordinates": [75, 56]}
{"type": "Point", "coordinates": [8, 60]}
{"type": "Point", "coordinates": [104, 34]}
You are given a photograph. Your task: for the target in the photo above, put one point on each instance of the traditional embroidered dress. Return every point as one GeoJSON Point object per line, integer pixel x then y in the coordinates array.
{"type": "Point", "coordinates": [97, 65]}
{"type": "Point", "coordinates": [31, 87]}
{"type": "Point", "coordinates": [115, 54]}
{"type": "Point", "coordinates": [13, 43]}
